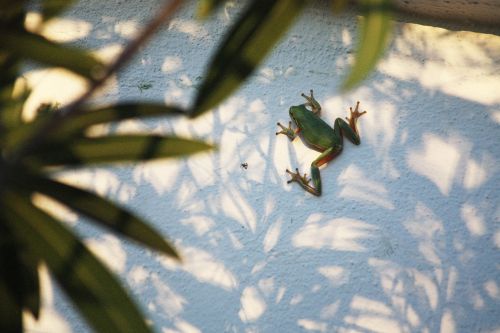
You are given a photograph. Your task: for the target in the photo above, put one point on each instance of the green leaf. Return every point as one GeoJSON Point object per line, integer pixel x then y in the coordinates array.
{"type": "Point", "coordinates": [76, 124]}
{"type": "Point", "coordinates": [375, 30]}
{"type": "Point", "coordinates": [35, 47]}
{"type": "Point", "coordinates": [11, 286]}
{"type": "Point", "coordinates": [112, 149]}
{"type": "Point", "coordinates": [102, 211]}
{"type": "Point", "coordinates": [19, 270]}
{"type": "Point", "coordinates": [51, 8]}
{"type": "Point", "coordinates": [105, 114]}
{"type": "Point", "coordinates": [12, 106]}
{"type": "Point", "coordinates": [88, 283]}
{"type": "Point", "coordinates": [11, 10]}
{"type": "Point", "coordinates": [338, 5]}
{"type": "Point", "coordinates": [11, 316]}
{"type": "Point", "coordinates": [15, 136]}
{"type": "Point", "coordinates": [206, 7]}
{"type": "Point", "coordinates": [9, 67]}
{"type": "Point", "coordinates": [248, 42]}
{"type": "Point", "coordinates": [31, 299]}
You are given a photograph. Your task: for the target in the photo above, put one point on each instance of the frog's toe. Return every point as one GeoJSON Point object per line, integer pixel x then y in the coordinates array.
{"type": "Point", "coordinates": [357, 107]}
{"type": "Point", "coordinates": [355, 113]}
{"type": "Point", "coordinates": [296, 177]}
{"type": "Point", "coordinates": [292, 174]}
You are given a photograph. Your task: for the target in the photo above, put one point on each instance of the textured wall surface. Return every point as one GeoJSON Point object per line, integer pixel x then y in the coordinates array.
{"type": "Point", "coordinates": [406, 236]}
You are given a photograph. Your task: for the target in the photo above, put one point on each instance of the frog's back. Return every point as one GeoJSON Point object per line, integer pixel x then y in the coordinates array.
{"type": "Point", "coordinates": [315, 131]}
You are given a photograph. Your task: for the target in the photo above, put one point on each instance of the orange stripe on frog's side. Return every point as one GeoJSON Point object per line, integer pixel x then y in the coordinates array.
{"type": "Point", "coordinates": [326, 159]}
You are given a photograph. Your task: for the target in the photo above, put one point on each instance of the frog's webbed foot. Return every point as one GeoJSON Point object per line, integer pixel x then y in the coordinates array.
{"type": "Point", "coordinates": [288, 131]}
{"type": "Point", "coordinates": [302, 180]}
{"type": "Point", "coordinates": [315, 107]}
{"type": "Point", "coordinates": [354, 114]}
{"type": "Point", "coordinates": [296, 177]}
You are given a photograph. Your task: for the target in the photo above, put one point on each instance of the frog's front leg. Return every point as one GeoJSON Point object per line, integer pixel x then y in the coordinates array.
{"type": "Point", "coordinates": [325, 156]}
{"type": "Point", "coordinates": [288, 131]}
{"type": "Point", "coordinates": [313, 103]}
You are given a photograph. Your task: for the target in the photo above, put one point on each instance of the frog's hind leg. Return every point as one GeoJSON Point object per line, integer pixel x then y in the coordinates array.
{"type": "Point", "coordinates": [353, 117]}
{"type": "Point", "coordinates": [314, 104]}
{"type": "Point", "coordinates": [348, 129]}
{"type": "Point", "coordinates": [302, 180]}
{"type": "Point", "coordinates": [325, 156]}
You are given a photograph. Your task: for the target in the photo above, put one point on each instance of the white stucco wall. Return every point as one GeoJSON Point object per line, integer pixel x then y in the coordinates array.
{"type": "Point", "coordinates": [406, 236]}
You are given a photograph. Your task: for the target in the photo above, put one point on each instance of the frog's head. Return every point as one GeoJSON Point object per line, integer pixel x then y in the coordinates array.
{"type": "Point", "coordinates": [296, 112]}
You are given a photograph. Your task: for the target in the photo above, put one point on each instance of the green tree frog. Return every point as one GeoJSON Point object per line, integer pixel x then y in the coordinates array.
{"type": "Point", "coordinates": [318, 135]}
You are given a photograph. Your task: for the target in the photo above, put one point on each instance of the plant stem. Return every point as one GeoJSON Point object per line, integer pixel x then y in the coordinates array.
{"type": "Point", "coordinates": [74, 108]}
